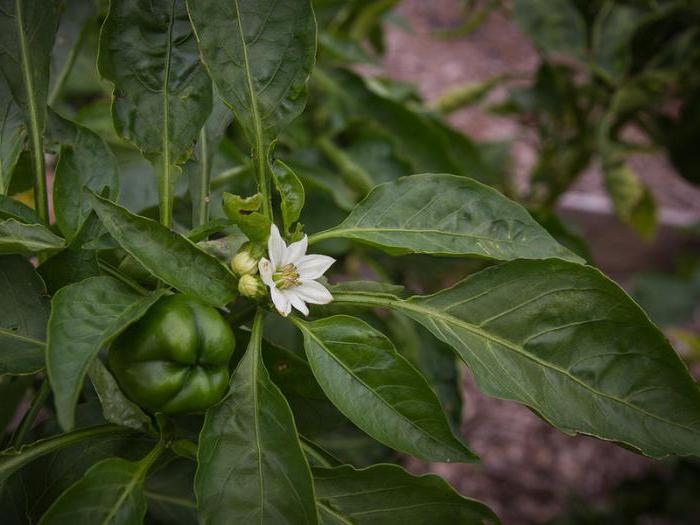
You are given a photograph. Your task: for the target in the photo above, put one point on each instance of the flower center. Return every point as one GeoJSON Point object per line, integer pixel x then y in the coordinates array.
{"type": "Point", "coordinates": [286, 277]}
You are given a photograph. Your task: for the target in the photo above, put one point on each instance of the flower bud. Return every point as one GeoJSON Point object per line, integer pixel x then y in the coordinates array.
{"type": "Point", "coordinates": [251, 286]}
{"type": "Point", "coordinates": [245, 262]}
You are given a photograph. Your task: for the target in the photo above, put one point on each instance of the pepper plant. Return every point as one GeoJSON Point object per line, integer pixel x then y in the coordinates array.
{"type": "Point", "coordinates": [200, 367]}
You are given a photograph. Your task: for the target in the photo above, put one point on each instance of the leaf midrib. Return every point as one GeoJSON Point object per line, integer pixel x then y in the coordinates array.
{"type": "Point", "coordinates": [446, 318]}
{"type": "Point", "coordinates": [384, 402]}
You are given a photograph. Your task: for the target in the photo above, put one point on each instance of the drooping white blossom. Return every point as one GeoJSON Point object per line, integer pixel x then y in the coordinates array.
{"type": "Point", "coordinates": [291, 274]}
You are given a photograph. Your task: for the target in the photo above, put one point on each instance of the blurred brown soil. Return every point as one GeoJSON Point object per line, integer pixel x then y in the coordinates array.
{"type": "Point", "coordinates": [529, 471]}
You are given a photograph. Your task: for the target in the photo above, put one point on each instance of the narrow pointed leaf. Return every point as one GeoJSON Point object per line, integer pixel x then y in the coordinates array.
{"type": "Point", "coordinates": [109, 493]}
{"type": "Point", "coordinates": [85, 317]}
{"type": "Point", "coordinates": [14, 209]}
{"type": "Point", "coordinates": [116, 408]}
{"type": "Point", "coordinates": [27, 32]}
{"type": "Point", "coordinates": [564, 340]}
{"type": "Point", "coordinates": [12, 460]}
{"type": "Point", "coordinates": [84, 160]}
{"type": "Point", "coordinates": [18, 237]}
{"type": "Point", "coordinates": [378, 390]}
{"type": "Point", "coordinates": [446, 215]}
{"type": "Point", "coordinates": [162, 94]}
{"type": "Point", "coordinates": [251, 466]}
{"type": "Point", "coordinates": [13, 132]}
{"type": "Point", "coordinates": [168, 255]}
{"type": "Point", "coordinates": [24, 312]}
{"type": "Point", "coordinates": [291, 191]}
{"type": "Point", "coordinates": [387, 494]}
{"type": "Point", "coordinates": [259, 54]}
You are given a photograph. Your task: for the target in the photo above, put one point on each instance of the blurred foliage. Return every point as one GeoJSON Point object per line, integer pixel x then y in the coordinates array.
{"type": "Point", "coordinates": [615, 78]}
{"type": "Point", "coordinates": [659, 497]}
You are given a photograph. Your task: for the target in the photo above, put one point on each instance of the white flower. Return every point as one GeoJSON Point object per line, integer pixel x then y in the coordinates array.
{"type": "Point", "coordinates": [290, 274]}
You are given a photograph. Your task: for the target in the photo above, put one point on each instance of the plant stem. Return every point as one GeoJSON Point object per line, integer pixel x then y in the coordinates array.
{"type": "Point", "coordinates": [112, 271]}
{"type": "Point", "coordinates": [260, 163]}
{"type": "Point", "coordinates": [41, 199]}
{"type": "Point", "coordinates": [322, 236]}
{"type": "Point", "coordinates": [200, 211]}
{"type": "Point", "coordinates": [355, 176]}
{"type": "Point", "coordinates": [30, 415]}
{"type": "Point", "coordinates": [68, 67]}
{"type": "Point", "coordinates": [164, 168]}
{"type": "Point", "coordinates": [10, 461]}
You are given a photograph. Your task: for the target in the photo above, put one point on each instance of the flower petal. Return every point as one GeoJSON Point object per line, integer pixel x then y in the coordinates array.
{"type": "Point", "coordinates": [313, 292]}
{"type": "Point", "coordinates": [313, 266]}
{"type": "Point", "coordinates": [266, 271]}
{"type": "Point", "coordinates": [276, 248]}
{"type": "Point", "coordinates": [297, 302]}
{"type": "Point", "coordinates": [296, 251]}
{"type": "Point", "coordinates": [281, 301]}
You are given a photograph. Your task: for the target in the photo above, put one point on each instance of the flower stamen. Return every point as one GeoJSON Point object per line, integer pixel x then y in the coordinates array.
{"type": "Point", "coordinates": [287, 277]}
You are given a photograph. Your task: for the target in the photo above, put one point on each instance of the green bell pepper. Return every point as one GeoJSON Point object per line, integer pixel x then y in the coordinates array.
{"type": "Point", "coordinates": [175, 359]}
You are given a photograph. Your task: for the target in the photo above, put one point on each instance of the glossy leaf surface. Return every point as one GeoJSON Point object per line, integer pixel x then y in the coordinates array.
{"type": "Point", "coordinates": [251, 466]}
{"type": "Point", "coordinates": [85, 317]}
{"type": "Point", "coordinates": [84, 160]}
{"type": "Point", "coordinates": [291, 192]}
{"type": "Point", "coordinates": [13, 132]}
{"type": "Point", "coordinates": [168, 255]}
{"type": "Point", "coordinates": [567, 342]}
{"type": "Point", "coordinates": [24, 312]}
{"type": "Point", "coordinates": [387, 494]}
{"type": "Point", "coordinates": [18, 237]}
{"type": "Point", "coordinates": [446, 215]}
{"type": "Point", "coordinates": [110, 493]}
{"type": "Point", "coordinates": [116, 408]}
{"type": "Point", "coordinates": [378, 390]}
{"type": "Point", "coordinates": [162, 95]}
{"type": "Point", "coordinates": [259, 54]}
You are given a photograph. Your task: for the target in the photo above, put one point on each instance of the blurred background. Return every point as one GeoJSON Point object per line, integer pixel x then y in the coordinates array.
{"type": "Point", "coordinates": [587, 112]}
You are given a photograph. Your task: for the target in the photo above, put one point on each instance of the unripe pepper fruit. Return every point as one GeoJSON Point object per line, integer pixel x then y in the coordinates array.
{"type": "Point", "coordinates": [175, 358]}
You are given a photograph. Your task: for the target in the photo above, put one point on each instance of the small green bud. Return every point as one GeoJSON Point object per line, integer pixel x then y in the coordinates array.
{"type": "Point", "coordinates": [251, 286]}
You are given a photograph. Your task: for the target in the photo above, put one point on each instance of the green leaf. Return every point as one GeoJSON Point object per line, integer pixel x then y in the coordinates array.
{"type": "Point", "coordinates": [555, 26]}
{"type": "Point", "coordinates": [13, 133]}
{"type": "Point", "coordinates": [170, 495]}
{"type": "Point", "coordinates": [259, 54]}
{"type": "Point", "coordinates": [435, 360]}
{"type": "Point", "coordinates": [633, 201]}
{"type": "Point", "coordinates": [251, 466]}
{"type": "Point", "coordinates": [12, 392]}
{"type": "Point", "coordinates": [67, 267]}
{"type": "Point", "coordinates": [387, 494]}
{"type": "Point", "coordinates": [110, 492]}
{"type": "Point", "coordinates": [162, 94]}
{"type": "Point", "coordinates": [17, 237]}
{"type": "Point", "coordinates": [244, 212]}
{"type": "Point", "coordinates": [291, 191]}
{"type": "Point", "coordinates": [27, 32]}
{"type": "Point", "coordinates": [85, 317]}
{"type": "Point", "coordinates": [11, 460]}
{"type": "Point", "coordinates": [446, 215]}
{"type": "Point", "coordinates": [78, 17]}
{"type": "Point", "coordinates": [116, 407]}
{"type": "Point", "coordinates": [378, 390]}
{"type": "Point", "coordinates": [24, 312]}
{"type": "Point", "coordinates": [613, 29]}
{"type": "Point", "coordinates": [198, 168]}
{"type": "Point", "coordinates": [168, 255]}
{"type": "Point", "coordinates": [570, 344]}
{"type": "Point", "coordinates": [84, 160]}
{"type": "Point", "coordinates": [14, 209]}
